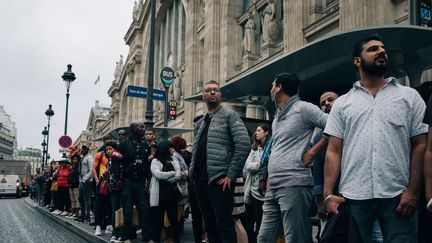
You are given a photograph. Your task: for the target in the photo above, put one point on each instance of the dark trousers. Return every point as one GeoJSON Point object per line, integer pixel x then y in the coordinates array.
{"type": "Point", "coordinates": [217, 207]}
{"type": "Point", "coordinates": [252, 222]}
{"type": "Point", "coordinates": [157, 217]}
{"type": "Point", "coordinates": [84, 198]}
{"type": "Point", "coordinates": [47, 194]}
{"type": "Point", "coordinates": [134, 193]}
{"type": "Point", "coordinates": [63, 198]}
{"type": "Point", "coordinates": [115, 205]}
{"type": "Point", "coordinates": [197, 222]}
{"type": "Point", "coordinates": [395, 227]}
{"type": "Point", "coordinates": [102, 210]}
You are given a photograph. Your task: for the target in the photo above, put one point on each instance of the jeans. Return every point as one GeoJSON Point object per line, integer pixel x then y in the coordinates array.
{"type": "Point", "coordinates": [102, 209]}
{"type": "Point", "coordinates": [64, 200]}
{"type": "Point", "coordinates": [157, 218]}
{"type": "Point", "coordinates": [217, 207]}
{"type": "Point", "coordinates": [197, 222]}
{"type": "Point", "coordinates": [290, 206]}
{"type": "Point", "coordinates": [395, 228]}
{"type": "Point", "coordinates": [84, 198]}
{"type": "Point", "coordinates": [253, 218]}
{"type": "Point", "coordinates": [134, 193]}
{"type": "Point", "coordinates": [115, 205]}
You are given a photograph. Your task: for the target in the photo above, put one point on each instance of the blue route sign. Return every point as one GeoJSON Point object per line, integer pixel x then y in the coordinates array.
{"type": "Point", "coordinates": [141, 92]}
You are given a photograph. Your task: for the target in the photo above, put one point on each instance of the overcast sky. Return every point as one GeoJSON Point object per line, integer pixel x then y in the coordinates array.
{"type": "Point", "coordinates": [38, 39]}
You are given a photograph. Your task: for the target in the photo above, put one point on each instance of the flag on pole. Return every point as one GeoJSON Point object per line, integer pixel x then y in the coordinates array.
{"type": "Point", "coordinates": [97, 80]}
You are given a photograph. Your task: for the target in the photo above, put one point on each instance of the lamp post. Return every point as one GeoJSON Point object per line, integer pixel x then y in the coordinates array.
{"type": "Point", "coordinates": [149, 111]}
{"type": "Point", "coordinates": [68, 78]}
{"type": "Point", "coordinates": [43, 150]}
{"type": "Point", "coordinates": [49, 113]}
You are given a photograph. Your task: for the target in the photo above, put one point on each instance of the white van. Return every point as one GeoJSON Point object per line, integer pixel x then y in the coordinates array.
{"type": "Point", "coordinates": [10, 185]}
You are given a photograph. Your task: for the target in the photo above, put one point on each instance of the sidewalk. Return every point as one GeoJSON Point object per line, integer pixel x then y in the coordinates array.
{"type": "Point", "coordinates": [86, 231]}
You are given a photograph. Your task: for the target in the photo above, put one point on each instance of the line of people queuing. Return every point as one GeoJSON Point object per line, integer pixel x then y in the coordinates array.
{"type": "Point", "coordinates": [357, 163]}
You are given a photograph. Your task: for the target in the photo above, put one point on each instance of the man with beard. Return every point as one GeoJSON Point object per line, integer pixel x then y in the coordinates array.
{"type": "Point", "coordinates": [221, 148]}
{"type": "Point", "coordinates": [129, 175]}
{"type": "Point", "coordinates": [376, 144]}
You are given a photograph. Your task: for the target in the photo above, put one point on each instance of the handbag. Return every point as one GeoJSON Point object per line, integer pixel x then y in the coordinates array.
{"type": "Point", "coordinates": [103, 187]}
{"type": "Point", "coordinates": [135, 217]}
{"type": "Point", "coordinates": [54, 186]}
{"type": "Point", "coordinates": [119, 218]}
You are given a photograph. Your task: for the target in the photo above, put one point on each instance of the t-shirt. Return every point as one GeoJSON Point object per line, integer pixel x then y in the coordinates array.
{"type": "Point", "coordinates": [201, 157]}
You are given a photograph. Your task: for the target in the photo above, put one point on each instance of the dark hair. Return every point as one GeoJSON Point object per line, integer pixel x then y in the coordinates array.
{"type": "Point", "coordinates": [211, 82]}
{"type": "Point", "coordinates": [111, 144]}
{"type": "Point", "coordinates": [358, 47]}
{"type": "Point", "coordinates": [179, 143]}
{"type": "Point", "coordinates": [162, 151]}
{"type": "Point", "coordinates": [107, 138]}
{"type": "Point", "coordinates": [290, 83]}
{"type": "Point", "coordinates": [85, 147]}
{"type": "Point", "coordinates": [255, 142]}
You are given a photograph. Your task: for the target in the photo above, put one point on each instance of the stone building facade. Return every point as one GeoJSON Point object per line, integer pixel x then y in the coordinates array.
{"type": "Point", "coordinates": [97, 126]}
{"type": "Point", "coordinates": [8, 136]}
{"type": "Point", "coordinates": [31, 155]}
{"type": "Point", "coordinates": [220, 40]}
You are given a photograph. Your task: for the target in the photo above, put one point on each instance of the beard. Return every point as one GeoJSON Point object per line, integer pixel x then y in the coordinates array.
{"type": "Point", "coordinates": [373, 69]}
{"type": "Point", "coordinates": [212, 104]}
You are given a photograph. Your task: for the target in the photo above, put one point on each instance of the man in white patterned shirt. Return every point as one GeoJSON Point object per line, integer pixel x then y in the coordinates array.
{"type": "Point", "coordinates": [376, 143]}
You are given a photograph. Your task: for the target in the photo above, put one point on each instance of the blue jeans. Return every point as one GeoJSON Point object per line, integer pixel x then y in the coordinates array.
{"type": "Point", "coordinates": [134, 193]}
{"type": "Point", "coordinates": [287, 206]}
{"type": "Point", "coordinates": [84, 198]}
{"type": "Point", "coordinates": [395, 228]}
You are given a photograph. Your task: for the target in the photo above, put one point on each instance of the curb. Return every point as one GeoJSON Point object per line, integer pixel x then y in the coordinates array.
{"type": "Point", "coordinates": [65, 223]}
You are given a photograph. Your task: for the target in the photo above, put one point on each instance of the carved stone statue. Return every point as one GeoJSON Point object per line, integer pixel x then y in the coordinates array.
{"type": "Point", "coordinates": [270, 23]}
{"type": "Point", "coordinates": [135, 10]}
{"type": "Point", "coordinates": [178, 88]}
{"type": "Point", "coordinates": [202, 12]}
{"type": "Point", "coordinates": [250, 36]}
{"type": "Point", "coordinates": [118, 69]}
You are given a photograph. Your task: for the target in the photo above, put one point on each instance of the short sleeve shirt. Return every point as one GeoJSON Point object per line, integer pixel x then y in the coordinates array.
{"type": "Point", "coordinates": [376, 133]}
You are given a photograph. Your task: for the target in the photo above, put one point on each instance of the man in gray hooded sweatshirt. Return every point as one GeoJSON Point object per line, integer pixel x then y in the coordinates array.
{"type": "Point", "coordinates": [290, 180]}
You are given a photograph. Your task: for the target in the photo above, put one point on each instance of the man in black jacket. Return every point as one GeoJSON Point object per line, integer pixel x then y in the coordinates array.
{"type": "Point", "coordinates": [131, 172]}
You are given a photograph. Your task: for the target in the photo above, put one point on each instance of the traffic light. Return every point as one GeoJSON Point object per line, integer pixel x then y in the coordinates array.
{"type": "Point", "coordinates": [172, 110]}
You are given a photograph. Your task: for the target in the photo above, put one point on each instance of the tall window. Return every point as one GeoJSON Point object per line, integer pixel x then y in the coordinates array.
{"type": "Point", "coordinates": [171, 43]}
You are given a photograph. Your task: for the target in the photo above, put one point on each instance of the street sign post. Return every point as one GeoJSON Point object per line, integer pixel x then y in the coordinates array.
{"type": "Point", "coordinates": [65, 141]}
{"type": "Point", "coordinates": [172, 110]}
{"type": "Point", "coordinates": [167, 76]}
{"type": "Point", "coordinates": [141, 92]}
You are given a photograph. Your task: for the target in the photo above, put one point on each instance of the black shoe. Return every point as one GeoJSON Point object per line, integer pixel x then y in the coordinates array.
{"type": "Point", "coordinates": [92, 223]}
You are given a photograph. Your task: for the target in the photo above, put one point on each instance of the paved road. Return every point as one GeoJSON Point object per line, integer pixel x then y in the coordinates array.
{"type": "Point", "coordinates": [19, 222]}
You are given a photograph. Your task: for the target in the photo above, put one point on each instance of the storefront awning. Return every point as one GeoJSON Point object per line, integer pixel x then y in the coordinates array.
{"type": "Point", "coordinates": [326, 64]}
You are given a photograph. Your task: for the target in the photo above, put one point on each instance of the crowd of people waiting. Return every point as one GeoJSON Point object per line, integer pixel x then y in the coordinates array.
{"type": "Point", "coordinates": [267, 190]}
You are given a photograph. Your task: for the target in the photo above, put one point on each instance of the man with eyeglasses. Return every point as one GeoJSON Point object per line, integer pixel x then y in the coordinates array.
{"type": "Point", "coordinates": [290, 181]}
{"type": "Point", "coordinates": [376, 145]}
{"type": "Point", "coordinates": [220, 150]}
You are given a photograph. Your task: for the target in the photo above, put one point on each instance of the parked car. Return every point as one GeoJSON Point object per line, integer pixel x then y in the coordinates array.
{"type": "Point", "coordinates": [10, 185]}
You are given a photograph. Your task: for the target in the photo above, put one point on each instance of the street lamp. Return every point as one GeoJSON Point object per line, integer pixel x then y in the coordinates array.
{"type": "Point", "coordinates": [68, 78]}
{"type": "Point", "coordinates": [43, 151]}
{"type": "Point", "coordinates": [149, 109]}
{"type": "Point", "coordinates": [49, 113]}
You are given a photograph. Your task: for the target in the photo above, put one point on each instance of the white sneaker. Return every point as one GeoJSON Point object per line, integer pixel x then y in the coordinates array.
{"type": "Point", "coordinates": [109, 229]}
{"type": "Point", "coordinates": [138, 231]}
{"type": "Point", "coordinates": [113, 239]}
{"type": "Point", "coordinates": [64, 213]}
{"type": "Point", "coordinates": [98, 231]}
{"type": "Point", "coordinates": [59, 212]}
{"type": "Point", "coordinates": [55, 211]}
